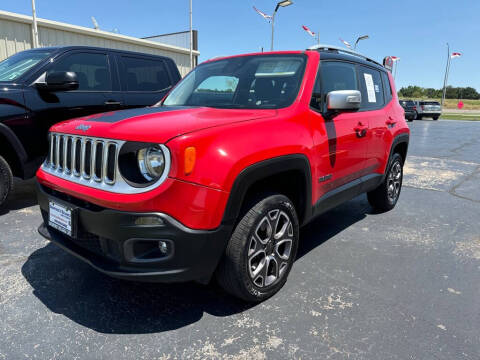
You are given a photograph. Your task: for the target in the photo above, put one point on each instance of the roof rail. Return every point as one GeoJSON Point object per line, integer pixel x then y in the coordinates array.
{"type": "Point", "coordinates": [341, 49]}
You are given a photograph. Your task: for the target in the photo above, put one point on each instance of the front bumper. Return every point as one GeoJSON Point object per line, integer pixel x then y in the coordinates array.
{"type": "Point", "coordinates": [104, 238]}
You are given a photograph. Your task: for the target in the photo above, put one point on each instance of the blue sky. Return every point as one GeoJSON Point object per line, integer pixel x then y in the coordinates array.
{"type": "Point", "coordinates": [415, 31]}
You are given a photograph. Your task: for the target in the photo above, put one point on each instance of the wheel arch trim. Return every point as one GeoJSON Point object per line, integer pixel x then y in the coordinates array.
{"type": "Point", "coordinates": [262, 170]}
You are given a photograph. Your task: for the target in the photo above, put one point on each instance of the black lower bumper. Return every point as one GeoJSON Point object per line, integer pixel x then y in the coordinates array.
{"type": "Point", "coordinates": [113, 242]}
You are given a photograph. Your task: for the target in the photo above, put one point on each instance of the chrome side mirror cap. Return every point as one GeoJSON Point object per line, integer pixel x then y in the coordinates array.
{"type": "Point", "coordinates": [342, 100]}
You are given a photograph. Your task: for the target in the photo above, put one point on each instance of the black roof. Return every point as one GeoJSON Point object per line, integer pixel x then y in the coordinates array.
{"type": "Point", "coordinates": [59, 49]}
{"type": "Point", "coordinates": [334, 54]}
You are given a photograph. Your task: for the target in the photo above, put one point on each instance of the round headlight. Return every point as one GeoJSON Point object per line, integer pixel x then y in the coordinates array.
{"type": "Point", "coordinates": [151, 162]}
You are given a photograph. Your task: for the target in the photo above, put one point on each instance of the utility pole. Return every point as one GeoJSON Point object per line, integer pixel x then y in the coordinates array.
{"type": "Point", "coordinates": [191, 37]}
{"type": "Point", "coordinates": [445, 79]}
{"type": "Point", "coordinates": [35, 42]}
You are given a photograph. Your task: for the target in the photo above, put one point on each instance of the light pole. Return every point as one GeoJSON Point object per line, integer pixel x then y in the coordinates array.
{"type": "Point", "coordinates": [191, 37]}
{"type": "Point", "coordinates": [34, 26]}
{"type": "Point", "coordinates": [445, 79]}
{"type": "Point", "coordinates": [364, 37]}
{"type": "Point", "coordinates": [283, 3]}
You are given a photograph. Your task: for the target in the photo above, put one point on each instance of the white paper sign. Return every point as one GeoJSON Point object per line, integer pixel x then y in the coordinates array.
{"type": "Point", "coordinates": [370, 88]}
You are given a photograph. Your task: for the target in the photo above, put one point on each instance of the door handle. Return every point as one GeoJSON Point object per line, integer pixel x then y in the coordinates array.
{"type": "Point", "coordinates": [112, 102]}
{"type": "Point", "coordinates": [390, 122]}
{"type": "Point", "coordinates": [361, 129]}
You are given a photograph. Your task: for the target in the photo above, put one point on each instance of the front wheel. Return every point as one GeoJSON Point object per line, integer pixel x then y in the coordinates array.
{"type": "Point", "coordinates": [385, 196]}
{"type": "Point", "coordinates": [261, 251]}
{"type": "Point", "coordinates": [435, 117]}
{"type": "Point", "coordinates": [6, 181]}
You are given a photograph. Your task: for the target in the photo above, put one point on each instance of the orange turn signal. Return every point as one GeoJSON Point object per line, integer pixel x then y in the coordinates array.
{"type": "Point", "coordinates": [190, 158]}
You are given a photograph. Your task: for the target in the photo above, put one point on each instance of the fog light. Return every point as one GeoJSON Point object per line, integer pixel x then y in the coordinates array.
{"type": "Point", "coordinates": [149, 220]}
{"type": "Point", "coordinates": [162, 245]}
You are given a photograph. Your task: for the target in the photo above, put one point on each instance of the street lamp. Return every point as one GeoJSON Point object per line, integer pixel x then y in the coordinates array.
{"type": "Point", "coordinates": [283, 3]}
{"type": "Point", "coordinates": [364, 37]}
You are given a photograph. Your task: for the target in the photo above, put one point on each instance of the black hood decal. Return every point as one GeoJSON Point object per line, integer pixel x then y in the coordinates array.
{"type": "Point", "coordinates": [115, 116]}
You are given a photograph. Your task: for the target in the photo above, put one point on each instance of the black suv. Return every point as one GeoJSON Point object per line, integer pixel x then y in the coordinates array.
{"type": "Point", "coordinates": [41, 87]}
{"type": "Point", "coordinates": [410, 109]}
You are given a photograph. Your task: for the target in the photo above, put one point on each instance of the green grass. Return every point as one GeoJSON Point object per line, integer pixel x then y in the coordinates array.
{"type": "Point", "coordinates": [469, 117]}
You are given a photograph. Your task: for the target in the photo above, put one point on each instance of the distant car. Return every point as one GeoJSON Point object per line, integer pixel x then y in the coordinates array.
{"type": "Point", "coordinates": [41, 87]}
{"type": "Point", "coordinates": [410, 109]}
{"type": "Point", "coordinates": [431, 109]}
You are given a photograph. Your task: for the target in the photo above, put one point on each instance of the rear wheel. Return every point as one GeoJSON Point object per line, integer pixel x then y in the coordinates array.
{"type": "Point", "coordinates": [385, 197]}
{"type": "Point", "coordinates": [435, 117]}
{"type": "Point", "coordinates": [6, 181]}
{"type": "Point", "coordinates": [261, 251]}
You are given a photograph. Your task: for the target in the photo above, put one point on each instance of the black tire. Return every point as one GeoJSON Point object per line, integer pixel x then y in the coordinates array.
{"type": "Point", "coordinates": [239, 271]}
{"type": "Point", "coordinates": [410, 119]}
{"type": "Point", "coordinates": [6, 181]}
{"type": "Point", "coordinates": [435, 118]}
{"type": "Point", "coordinates": [382, 198]}
{"type": "Point", "coordinates": [419, 117]}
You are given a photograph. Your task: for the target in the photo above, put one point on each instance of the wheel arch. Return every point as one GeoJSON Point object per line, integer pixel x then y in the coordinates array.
{"type": "Point", "coordinates": [292, 177]}
{"type": "Point", "coordinates": [12, 150]}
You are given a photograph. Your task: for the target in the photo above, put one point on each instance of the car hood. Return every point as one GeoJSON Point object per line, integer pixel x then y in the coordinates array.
{"type": "Point", "coordinates": [156, 124]}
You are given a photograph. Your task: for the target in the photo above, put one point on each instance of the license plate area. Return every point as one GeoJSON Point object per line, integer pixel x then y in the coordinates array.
{"type": "Point", "coordinates": [62, 218]}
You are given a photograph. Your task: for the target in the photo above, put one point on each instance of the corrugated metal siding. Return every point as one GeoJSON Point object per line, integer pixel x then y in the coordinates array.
{"type": "Point", "coordinates": [16, 35]}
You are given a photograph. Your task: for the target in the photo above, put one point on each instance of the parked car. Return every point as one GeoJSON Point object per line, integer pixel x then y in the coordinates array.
{"type": "Point", "coordinates": [218, 178]}
{"type": "Point", "coordinates": [410, 109]}
{"type": "Point", "coordinates": [431, 109]}
{"type": "Point", "coordinates": [41, 87]}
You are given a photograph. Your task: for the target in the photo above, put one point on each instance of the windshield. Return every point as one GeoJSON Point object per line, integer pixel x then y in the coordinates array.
{"type": "Point", "coordinates": [16, 65]}
{"type": "Point", "coordinates": [246, 82]}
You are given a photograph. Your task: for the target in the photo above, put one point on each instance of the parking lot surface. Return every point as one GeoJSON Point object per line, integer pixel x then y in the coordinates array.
{"type": "Point", "coordinates": [398, 285]}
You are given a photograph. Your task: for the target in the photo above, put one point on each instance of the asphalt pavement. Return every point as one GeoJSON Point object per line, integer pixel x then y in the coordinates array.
{"type": "Point", "coordinates": [398, 285]}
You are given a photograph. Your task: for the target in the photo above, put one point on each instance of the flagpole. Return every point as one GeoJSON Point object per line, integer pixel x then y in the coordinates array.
{"type": "Point", "coordinates": [445, 79]}
{"type": "Point", "coordinates": [34, 26]}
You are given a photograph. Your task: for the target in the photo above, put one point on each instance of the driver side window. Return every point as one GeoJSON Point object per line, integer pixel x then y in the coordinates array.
{"type": "Point", "coordinates": [332, 76]}
{"type": "Point", "coordinates": [93, 73]}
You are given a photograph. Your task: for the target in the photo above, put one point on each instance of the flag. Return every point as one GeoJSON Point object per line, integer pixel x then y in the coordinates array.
{"type": "Point", "coordinates": [346, 43]}
{"type": "Point", "coordinates": [265, 16]}
{"type": "Point", "coordinates": [395, 58]}
{"type": "Point", "coordinates": [310, 32]}
{"type": "Point", "coordinates": [456, 54]}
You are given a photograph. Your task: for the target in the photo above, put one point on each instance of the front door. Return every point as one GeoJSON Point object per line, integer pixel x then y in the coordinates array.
{"type": "Point", "coordinates": [339, 139]}
{"type": "Point", "coordinates": [94, 94]}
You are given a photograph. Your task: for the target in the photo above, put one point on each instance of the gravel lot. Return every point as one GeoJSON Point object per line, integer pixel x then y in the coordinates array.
{"type": "Point", "coordinates": [399, 285]}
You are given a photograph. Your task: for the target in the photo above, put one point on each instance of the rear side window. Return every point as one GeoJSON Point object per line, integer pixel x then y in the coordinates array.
{"type": "Point", "coordinates": [93, 72]}
{"type": "Point", "coordinates": [333, 75]}
{"type": "Point", "coordinates": [371, 88]}
{"type": "Point", "coordinates": [145, 74]}
{"type": "Point", "coordinates": [387, 87]}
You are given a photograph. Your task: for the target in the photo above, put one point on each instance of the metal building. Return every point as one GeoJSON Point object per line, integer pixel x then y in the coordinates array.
{"type": "Point", "coordinates": [16, 35]}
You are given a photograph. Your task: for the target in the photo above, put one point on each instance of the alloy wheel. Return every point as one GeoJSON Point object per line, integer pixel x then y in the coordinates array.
{"type": "Point", "coordinates": [394, 182]}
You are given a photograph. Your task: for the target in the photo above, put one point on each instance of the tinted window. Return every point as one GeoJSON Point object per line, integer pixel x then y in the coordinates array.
{"type": "Point", "coordinates": [333, 75]}
{"type": "Point", "coordinates": [244, 82]}
{"type": "Point", "coordinates": [18, 64]}
{"type": "Point", "coordinates": [388, 88]}
{"type": "Point", "coordinates": [145, 74]}
{"type": "Point", "coordinates": [371, 88]}
{"type": "Point", "coordinates": [92, 70]}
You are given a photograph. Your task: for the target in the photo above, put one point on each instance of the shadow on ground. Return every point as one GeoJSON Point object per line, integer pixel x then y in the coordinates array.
{"type": "Point", "coordinates": [23, 196]}
{"type": "Point", "coordinates": [69, 287]}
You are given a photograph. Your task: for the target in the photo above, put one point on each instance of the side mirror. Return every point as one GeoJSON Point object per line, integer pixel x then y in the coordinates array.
{"type": "Point", "coordinates": [344, 100]}
{"type": "Point", "coordinates": [60, 81]}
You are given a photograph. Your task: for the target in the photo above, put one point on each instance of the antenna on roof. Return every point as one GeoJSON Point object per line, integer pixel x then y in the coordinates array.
{"type": "Point", "coordinates": [95, 23]}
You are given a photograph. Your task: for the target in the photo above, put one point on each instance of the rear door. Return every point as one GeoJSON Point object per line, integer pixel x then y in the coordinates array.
{"type": "Point", "coordinates": [373, 107]}
{"type": "Point", "coordinates": [339, 140]}
{"type": "Point", "coordinates": [144, 80]}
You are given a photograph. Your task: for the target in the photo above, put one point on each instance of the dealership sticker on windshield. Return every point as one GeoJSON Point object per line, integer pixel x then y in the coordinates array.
{"type": "Point", "coordinates": [60, 218]}
{"type": "Point", "coordinates": [370, 88]}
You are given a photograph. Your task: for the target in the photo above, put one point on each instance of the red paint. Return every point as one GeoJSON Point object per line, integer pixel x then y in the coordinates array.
{"type": "Point", "coordinates": [228, 141]}
{"type": "Point", "coordinates": [460, 104]}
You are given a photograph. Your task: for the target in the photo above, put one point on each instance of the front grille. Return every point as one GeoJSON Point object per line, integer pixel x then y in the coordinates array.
{"type": "Point", "coordinates": [83, 158]}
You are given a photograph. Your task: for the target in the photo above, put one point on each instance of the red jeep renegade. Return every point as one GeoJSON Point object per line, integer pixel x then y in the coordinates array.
{"type": "Point", "coordinates": [218, 178]}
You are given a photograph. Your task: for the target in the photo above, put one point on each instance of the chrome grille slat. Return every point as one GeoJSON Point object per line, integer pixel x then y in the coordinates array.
{"type": "Point", "coordinates": [108, 177]}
